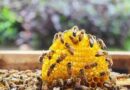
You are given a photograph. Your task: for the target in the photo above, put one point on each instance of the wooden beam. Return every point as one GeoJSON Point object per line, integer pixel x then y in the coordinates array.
{"type": "Point", "coordinates": [20, 60]}
{"type": "Point", "coordinates": [29, 60]}
{"type": "Point", "coordinates": [23, 60]}
{"type": "Point", "coordinates": [121, 60]}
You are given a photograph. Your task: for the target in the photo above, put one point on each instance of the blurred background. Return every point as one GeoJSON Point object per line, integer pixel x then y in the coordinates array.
{"type": "Point", "coordinates": [31, 24]}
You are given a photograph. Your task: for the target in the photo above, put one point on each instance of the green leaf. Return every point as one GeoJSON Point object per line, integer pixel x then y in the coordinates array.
{"type": "Point", "coordinates": [127, 43]}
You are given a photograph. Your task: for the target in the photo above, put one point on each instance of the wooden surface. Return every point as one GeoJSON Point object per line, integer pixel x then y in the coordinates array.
{"type": "Point", "coordinates": [121, 61]}
{"type": "Point", "coordinates": [29, 60]}
{"type": "Point", "coordinates": [23, 60]}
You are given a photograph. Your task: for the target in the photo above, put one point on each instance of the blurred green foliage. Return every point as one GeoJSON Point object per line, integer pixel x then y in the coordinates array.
{"type": "Point", "coordinates": [8, 26]}
{"type": "Point", "coordinates": [41, 19]}
{"type": "Point", "coordinates": [127, 43]}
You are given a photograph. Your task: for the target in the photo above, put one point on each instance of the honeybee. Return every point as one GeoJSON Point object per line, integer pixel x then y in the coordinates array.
{"type": "Point", "coordinates": [124, 76]}
{"type": "Point", "coordinates": [73, 40]}
{"type": "Point", "coordinates": [109, 60]}
{"type": "Point", "coordinates": [101, 53]}
{"type": "Point", "coordinates": [89, 66]}
{"type": "Point", "coordinates": [104, 73]}
{"type": "Point", "coordinates": [70, 49]}
{"type": "Point", "coordinates": [101, 43]}
{"type": "Point", "coordinates": [82, 72]}
{"type": "Point", "coordinates": [42, 56]}
{"type": "Point", "coordinates": [44, 86]}
{"type": "Point", "coordinates": [61, 57]}
{"type": "Point", "coordinates": [55, 37]}
{"type": "Point", "coordinates": [75, 29]}
{"type": "Point", "coordinates": [51, 69]}
{"type": "Point", "coordinates": [107, 85]}
{"type": "Point", "coordinates": [60, 82]}
{"type": "Point", "coordinates": [50, 54]}
{"type": "Point", "coordinates": [59, 36]}
{"type": "Point", "coordinates": [54, 83]}
{"type": "Point", "coordinates": [81, 34]}
{"type": "Point", "coordinates": [69, 68]}
{"type": "Point", "coordinates": [91, 40]}
{"type": "Point", "coordinates": [93, 65]}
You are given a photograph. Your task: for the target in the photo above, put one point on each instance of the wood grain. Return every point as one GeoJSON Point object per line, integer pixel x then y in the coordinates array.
{"type": "Point", "coordinates": [29, 60]}
{"type": "Point", "coordinates": [20, 60]}
{"type": "Point", "coordinates": [121, 61]}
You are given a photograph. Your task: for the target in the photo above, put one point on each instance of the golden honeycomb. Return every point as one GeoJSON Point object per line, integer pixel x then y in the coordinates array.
{"type": "Point", "coordinates": [75, 54]}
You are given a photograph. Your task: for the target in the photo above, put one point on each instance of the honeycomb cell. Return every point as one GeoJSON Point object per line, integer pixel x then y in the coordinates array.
{"type": "Point", "coordinates": [96, 79]}
{"type": "Point", "coordinates": [99, 84]}
{"type": "Point", "coordinates": [90, 79]}
{"type": "Point", "coordinates": [93, 84]}
{"type": "Point", "coordinates": [87, 84]}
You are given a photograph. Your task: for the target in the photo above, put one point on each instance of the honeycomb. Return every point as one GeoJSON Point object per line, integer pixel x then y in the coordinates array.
{"type": "Point", "coordinates": [76, 55]}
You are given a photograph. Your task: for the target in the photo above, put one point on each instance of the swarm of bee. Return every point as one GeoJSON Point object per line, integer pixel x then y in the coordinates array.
{"type": "Point", "coordinates": [31, 80]}
{"type": "Point", "coordinates": [20, 80]}
{"type": "Point", "coordinates": [76, 60]}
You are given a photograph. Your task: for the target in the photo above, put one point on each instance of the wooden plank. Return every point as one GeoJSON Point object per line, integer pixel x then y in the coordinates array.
{"type": "Point", "coordinates": [23, 60]}
{"type": "Point", "coordinates": [20, 60]}
{"type": "Point", "coordinates": [29, 60]}
{"type": "Point", "coordinates": [121, 61]}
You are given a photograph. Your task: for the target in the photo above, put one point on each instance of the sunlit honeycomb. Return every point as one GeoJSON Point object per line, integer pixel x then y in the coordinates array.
{"type": "Point", "coordinates": [73, 54]}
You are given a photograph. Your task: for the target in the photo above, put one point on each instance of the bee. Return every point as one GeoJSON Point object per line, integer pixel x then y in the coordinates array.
{"type": "Point", "coordinates": [123, 76]}
{"type": "Point", "coordinates": [44, 86]}
{"type": "Point", "coordinates": [107, 85]}
{"type": "Point", "coordinates": [81, 35]}
{"type": "Point", "coordinates": [54, 83]}
{"type": "Point", "coordinates": [93, 65]}
{"type": "Point", "coordinates": [94, 37]}
{"type": "Point", "coordinates": [77, 83]}
{"type": "Point", "coordinates": [73, 40]}
{"type": "Point", "coordinates": [82, 73]}
{"type": "Point", "coordinates": [89, 66]}
{"type": "Point", "coordinates": [70, 49]}
{"type": "Point", "coordinates": [109, 60]}
{"type": "Point", "coordinates": [69, 65]}
{"type": "Point", "coordinates": [55, 37]}
{"type": "Point", "coordinates": [75, 28]}
{"type": "Point", "coordinates": [51, 69]}
{"type": "Point", "coordinates": [57, 84]}
{"type": "Point", "coordinates": [101, 53]}
{"type": "Point", "coordinates": [60, 82]}
{"type": "Point", "coordinates": [59, 36]}
{"type": "Point", "coordinates": [50, 54]}
{"type": "Point", "coordinates": [68, 83]}
{"type": "Point", "coordinates": [104, 73]}
{"type": "Point", "coordinates": [74, 32]}
{"type": "Point", "coordinates": [69, 68]}
{"type": "Point", "coordinates": [101, 43]}
{"type": "Point", "coordinates": [56, 88]}
{"type": "Point", "coordinates": [61, 57]}
{"type": "Point", "coordinates": [80, 87]}
{"type": "Point", "coordinates": [91, 40]}
{"type": "Point", "coordinates": [42, 56]}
